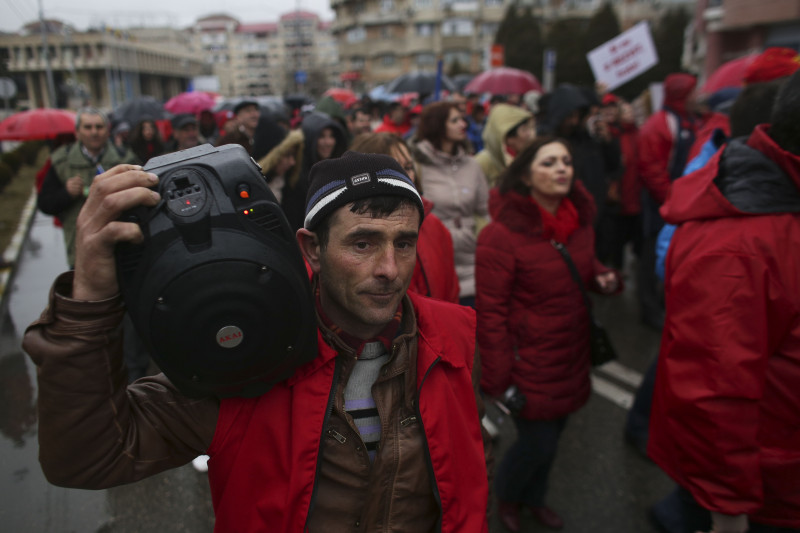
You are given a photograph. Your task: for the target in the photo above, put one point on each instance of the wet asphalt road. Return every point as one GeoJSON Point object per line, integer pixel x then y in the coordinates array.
{"type": "Point", "coordinates": [598, 484]}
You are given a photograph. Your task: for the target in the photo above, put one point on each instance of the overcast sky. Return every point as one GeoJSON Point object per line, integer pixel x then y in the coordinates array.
{"type": "Point", "coordinates": [178, 13]}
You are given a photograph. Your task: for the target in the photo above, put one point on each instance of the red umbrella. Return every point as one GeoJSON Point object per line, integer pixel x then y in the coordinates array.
{"type": "Point", "coordinates": [503, 80]}
{"type": "Point", "coordinates": [37, 124]}
{"type": "Point", "coordinates": [728, 74]}
{"type": "Point", "coordinates": [343, 96]}
{"type": "Point", "coordinates": [191, 102]}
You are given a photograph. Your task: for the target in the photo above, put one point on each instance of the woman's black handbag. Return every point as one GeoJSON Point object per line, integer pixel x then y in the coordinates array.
{"type": "Point", "coordinates": [602, 349]}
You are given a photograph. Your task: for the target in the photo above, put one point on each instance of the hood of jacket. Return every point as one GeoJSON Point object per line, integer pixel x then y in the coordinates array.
{"type": "Point", "coordinates": [677, 89]}
{"type": "Point", "coordinates": [752, 176]}
{"type": "Point", "coordinates": [427, 206]}
{"type": "Point", "coordinates": [312, 127]}
{"type": "Point", "coordinates": [267, 136]}
{"type": "Point", "coordinates": [332, 108]}
{"type": "Point", "coordinates": [291, 144]}
{"type": "Point", "coordinates": [563, 101]}
{"type": "Point", "coordinates": [502, 119]}
{"type": "Point", "coordinates": [515, 211]}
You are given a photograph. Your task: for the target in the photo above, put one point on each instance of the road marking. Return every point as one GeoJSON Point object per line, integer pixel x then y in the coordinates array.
{"type": "Point", "coordinates": [612, 392]}
{"type": "Point", "coordinates": [622, 373]}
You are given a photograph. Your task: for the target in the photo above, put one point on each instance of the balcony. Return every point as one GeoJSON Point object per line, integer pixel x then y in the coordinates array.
{"type": "Point", "coordinates": [456, 42]}
{"type": "Point", "coordinates": [417, 44]}
{"type": "Point", "coordinates": [384, 46]}
{"type": "Point", "coordinates": [380, 18]}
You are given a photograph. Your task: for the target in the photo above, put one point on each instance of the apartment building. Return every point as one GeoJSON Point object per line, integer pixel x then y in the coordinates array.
{"type": "Point", "coordinates": [381, 39]}
{"type": "Point", "coordinates": [294, 54]}
{"type": "Point", "coordinates": [103, 67]}
{"type": "Point", "coordinates": [727, 29]}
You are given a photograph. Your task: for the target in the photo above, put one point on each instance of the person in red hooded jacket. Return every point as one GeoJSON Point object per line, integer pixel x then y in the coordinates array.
{"type": "Point", "coordinates": [725, 419]}
{"type": "Point", "coordinates": [395, 120]}
{"type": "Point", "coordinates": [665, 140]}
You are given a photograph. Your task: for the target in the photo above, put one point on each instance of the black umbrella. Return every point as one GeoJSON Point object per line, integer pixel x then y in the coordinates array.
{"type": "Point", "coordinates": [461, 80]}
{"type": "Point", "coordinates": [419, 82]}
{"type": "Point", "coordinates": [226, 104]}
{"type": "Point", "coordinates": [297, 101]}
{"type": "Point", "coordinates": [139, 109]}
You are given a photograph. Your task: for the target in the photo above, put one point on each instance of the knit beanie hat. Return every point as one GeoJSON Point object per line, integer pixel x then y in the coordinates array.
{"type": "Point", "coordinates": [336, 182]}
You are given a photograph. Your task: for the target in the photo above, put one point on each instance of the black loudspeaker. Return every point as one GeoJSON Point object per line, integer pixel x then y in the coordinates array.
{"type": "Point", "coordinates": [218, 290]}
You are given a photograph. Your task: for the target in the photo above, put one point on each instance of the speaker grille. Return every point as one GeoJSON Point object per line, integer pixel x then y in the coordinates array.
{"type": "Point", "coordinates": [268, 221]}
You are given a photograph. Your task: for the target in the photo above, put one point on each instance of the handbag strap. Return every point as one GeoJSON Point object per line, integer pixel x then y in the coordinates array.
{"type": "Point", "coordinates": [573, 270]}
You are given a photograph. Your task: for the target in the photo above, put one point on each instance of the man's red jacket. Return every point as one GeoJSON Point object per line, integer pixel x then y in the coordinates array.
{"type": "Point", "coordinates": [725, 421]}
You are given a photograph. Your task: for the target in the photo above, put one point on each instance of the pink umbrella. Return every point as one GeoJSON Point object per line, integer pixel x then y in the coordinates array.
{"type": "Point", "coordinates": [37, 124]}
{"type": "Point", "coordinates": [503, 80]}
{"type": "Point", "coordinates": [346, 97]}
{"type": "Point", "coordinates": [728, 74]}
{"type": "Point", "coordinates": [191, 102]}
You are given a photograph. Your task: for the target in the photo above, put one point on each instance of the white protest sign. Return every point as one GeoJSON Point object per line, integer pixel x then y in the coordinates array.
{"type": "Point", "coordinates": [624, 57]}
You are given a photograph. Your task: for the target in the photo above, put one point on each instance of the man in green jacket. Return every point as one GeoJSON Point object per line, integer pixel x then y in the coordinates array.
{"type": "Point", "coordinates": [73, 168]}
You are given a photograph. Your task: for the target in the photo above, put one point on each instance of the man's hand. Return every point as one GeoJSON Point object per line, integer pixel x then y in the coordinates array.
{"type": "Point", "coordinates": [74, 186]}
{"type": "Point", "coordinates": [98, 230]}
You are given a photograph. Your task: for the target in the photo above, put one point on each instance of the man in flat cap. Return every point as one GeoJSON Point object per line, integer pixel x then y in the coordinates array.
{"type": "Point", "coordinates": [184, 133]}
{"type": "Point", "coordinates": [242, 128]}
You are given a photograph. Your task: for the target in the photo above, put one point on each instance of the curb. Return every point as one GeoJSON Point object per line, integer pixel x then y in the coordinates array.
{"type": "Point", "coordinates": [14, 250]}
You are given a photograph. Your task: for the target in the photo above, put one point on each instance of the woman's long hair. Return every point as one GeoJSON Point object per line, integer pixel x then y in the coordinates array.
{"type": "Point", "coordinates": [383, 143]}
{"type": "Point", "coordinates": [138, 144]}
{"type": "Point", "coordinates": [433, 123]}
{"type": "Point", "coordinates": [520, 167]}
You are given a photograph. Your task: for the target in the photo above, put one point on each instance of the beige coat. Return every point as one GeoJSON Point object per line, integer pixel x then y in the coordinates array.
{"type": "Point", "coordinates": [457, 187]}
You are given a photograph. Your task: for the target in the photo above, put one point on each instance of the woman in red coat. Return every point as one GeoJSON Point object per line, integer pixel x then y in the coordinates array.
{"type": "Point", "coordinates": [435, 271]}
{"type": "Point", "coordinates": [533, 326]}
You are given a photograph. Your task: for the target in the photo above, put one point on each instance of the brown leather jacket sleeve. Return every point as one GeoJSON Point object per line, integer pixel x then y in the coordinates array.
{"type": "Point", "coordinates": [94, 432]}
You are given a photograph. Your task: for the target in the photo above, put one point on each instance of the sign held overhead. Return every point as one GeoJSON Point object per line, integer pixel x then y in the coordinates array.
{"type": "Point", "coordinates": [624, 57]}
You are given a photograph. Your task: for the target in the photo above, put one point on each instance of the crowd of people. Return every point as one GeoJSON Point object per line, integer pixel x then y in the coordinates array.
{"type": "Point", "coordinates": [505, 209]}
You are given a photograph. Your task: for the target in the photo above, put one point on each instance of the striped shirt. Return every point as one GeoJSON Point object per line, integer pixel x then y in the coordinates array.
{"type": "Point", "coordinates": [372, 355]}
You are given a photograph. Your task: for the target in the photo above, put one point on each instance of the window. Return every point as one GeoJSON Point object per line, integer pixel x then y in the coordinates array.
{"type": "Point", "coordinates": [424, 29]}
{"type": "Point", "coordinates": [388, 60]}
{"type": "Point", "coordinates": [386, 32]}
{"type": "Point", "coordinates": [357, 63]}
{"type": "Point", "coordinates": [461, 5]}
{"type": "Point", "coordinates": [423, 3]}
{"type": "Point", "coordinates": [489, 28]}
{"type": "Point", "coordinates": [463, 58]}
{"type": "Point", "coordinates": [493, 2]}
{"type": "Point", "coordinates": [457, 27]}
{"type": "Point", "coordinates": [387, 6]}
{"type": "Point", "coordinates": [356, 35]}
{"type": "Point", "coordinates": [425, 59]}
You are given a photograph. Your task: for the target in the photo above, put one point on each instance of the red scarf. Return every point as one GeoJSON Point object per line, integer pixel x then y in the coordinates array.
{"type": "Point", "coordinates": [563, 224]}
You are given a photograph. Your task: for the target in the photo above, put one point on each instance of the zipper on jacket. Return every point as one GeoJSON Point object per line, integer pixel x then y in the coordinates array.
{"type": "Point", "coordinates": [328, 411]}
{"type": "Point", "coordinates": [338, 436]}
{"type": "Point", "coordinates": [408, 421]}
{"type": "Point", "coordinates": [428, 460]}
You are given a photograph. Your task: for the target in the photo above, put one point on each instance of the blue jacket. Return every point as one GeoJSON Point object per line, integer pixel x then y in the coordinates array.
{"type": "Point", "coordinates": [714, 143]}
